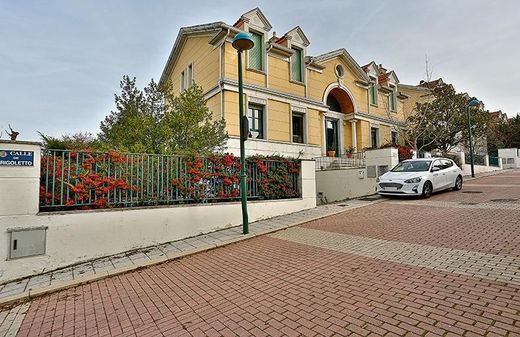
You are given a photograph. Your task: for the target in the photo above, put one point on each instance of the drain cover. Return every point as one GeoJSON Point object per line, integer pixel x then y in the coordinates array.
{"type": "Point", "coordinates": [342, 205]}
{"type": "Point", "coordinates": [471, 191]}
{"type": "Point", "coordinates": [369, 199]}
{"type": "Point", "coordinates": [468, 203]}
{"type": "Point", "coordinates": [504, 200]}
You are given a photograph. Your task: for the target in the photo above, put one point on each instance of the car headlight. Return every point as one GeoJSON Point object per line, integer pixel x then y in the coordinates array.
{"type": "Point", "coordinates": [378, 180]}
{"type": "Point", "coordinates": [413, 180]}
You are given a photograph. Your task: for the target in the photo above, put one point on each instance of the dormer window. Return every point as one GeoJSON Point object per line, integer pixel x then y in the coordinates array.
{"type": "Point", "coordinates": [296, 65]}
{"type": "Point", "coordinates": [392, 98]}
{"type": "Point", "coordinates": [372, 91]}
{"type": "Point", "coordinates": [256, 56]}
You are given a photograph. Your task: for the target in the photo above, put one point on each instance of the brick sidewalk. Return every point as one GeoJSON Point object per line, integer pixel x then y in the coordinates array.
{"type": "Point", "coordinates": [430, 268]}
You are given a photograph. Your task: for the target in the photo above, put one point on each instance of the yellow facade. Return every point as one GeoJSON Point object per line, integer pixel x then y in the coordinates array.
{"type": "Point", "coordinates": [333, 78]}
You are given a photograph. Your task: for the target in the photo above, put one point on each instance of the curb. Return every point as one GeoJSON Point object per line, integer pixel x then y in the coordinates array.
{"type": "Point", "coordinates": [32, 294]}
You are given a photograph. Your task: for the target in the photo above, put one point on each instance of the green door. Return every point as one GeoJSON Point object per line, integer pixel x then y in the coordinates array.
{"type": "Point", "coordinates": [331, 136]}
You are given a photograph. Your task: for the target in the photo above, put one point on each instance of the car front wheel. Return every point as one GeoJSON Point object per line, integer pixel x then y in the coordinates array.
{"type": "Point", "coordinates": [458, 184]}
{"type": "Point", "coordinates": [427, 190]}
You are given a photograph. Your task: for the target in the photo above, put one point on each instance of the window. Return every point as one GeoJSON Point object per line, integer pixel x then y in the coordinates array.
{"type": "Point", "coordinates": [298, 128]}
{"type": "Point", "coordinates": [296, 65]}
{"type": "Point", "coordinates": [256, 53]}
{"type": "Point", "coordinates": [446, 163]}
{"type": "Point", "coordinates": [339, 70]}
{"type": "Point", "coordinates": [255, 115]}
{"type": "Point", "coordinates": [372, 92]}
{"type": "Point", "coordinates": [374, 137]}
{"type": "Point", "coordinates": [190, 76]}
{"type": "Point", "coordinates": [437, 164]}
{"type": "Point", "coordinates": [392, 99]}
{"type": "Point", "coordinates": [183, 80]}
{"type": "Point", "coordinates": [395, 138]}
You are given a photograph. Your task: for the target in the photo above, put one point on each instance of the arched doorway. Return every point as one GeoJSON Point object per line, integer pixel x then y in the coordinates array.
{"type": "Point", "coordinates": [338, 101]}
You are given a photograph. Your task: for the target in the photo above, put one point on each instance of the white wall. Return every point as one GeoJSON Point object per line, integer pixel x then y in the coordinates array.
{"type": "Point", "coordinates": [510, 157]}
{"type": "Point", "coordinates": [466, 169]}
{"type": "Point", "coordinates": [337, 185]}
{"type": "Point", "coordinates": [346, 183]}
{"type": "Point", "coordinates": [265, 147]}
{"type": "Point", "coordinates": [78, 236]}
{"type": "Point", "coordinates": [19, 185]}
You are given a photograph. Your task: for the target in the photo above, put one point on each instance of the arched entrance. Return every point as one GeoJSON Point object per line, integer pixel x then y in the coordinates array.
{"type": "Point", "coordinates": [338, 100]}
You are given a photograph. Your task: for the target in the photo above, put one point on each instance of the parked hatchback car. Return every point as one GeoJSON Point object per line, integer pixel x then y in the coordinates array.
{"type": "Point", "coordinates": [420, 177]}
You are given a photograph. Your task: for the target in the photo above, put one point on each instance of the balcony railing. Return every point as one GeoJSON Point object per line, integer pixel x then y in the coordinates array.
{"type": "Point", "coordinates": [355, 160]}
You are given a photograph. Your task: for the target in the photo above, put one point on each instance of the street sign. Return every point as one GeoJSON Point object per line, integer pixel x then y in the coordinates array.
{"type": "Point", "coordinates": [16, 158]}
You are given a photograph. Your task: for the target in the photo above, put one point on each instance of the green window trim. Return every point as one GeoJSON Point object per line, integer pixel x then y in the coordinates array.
{"type": "Point", "coordinates": [255, 54]}
{"type": "Point", "coordinates": [255, 115]}
{"type": "Point", "coordinates": [372, 93]}
{"type": "Point", "coordinates": [395, 137]}
{"type": "Point", "coordinates": [296, 65]}
{"type": "Point", "coordinates": [392, 102]}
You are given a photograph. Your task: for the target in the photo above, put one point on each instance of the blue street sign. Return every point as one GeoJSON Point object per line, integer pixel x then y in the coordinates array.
{"type": "Point", "coordinates": [16, 158]}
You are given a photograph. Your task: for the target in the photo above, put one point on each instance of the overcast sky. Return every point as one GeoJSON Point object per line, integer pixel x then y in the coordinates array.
{"type": "Point", "coordinates": [61, 61]}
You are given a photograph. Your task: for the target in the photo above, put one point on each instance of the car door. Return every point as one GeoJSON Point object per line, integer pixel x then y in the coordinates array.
{"type": "Point", "coordinates": [451, 172]}
{"type": "Point", "coordinates": [437, 178]}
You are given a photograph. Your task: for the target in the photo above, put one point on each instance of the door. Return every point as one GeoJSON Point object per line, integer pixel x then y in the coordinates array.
{"type": "Point", "coordinates": [451, 173]}
{"type": "Point", "coordinates": [331, 135]}
{"type": "Point", "coordinates": [438, 178]}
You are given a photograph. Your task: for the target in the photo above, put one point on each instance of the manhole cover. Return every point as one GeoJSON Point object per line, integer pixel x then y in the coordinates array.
{"type": "Point", "coordinates": [369, 199]}
{"type": "Point", "coordinates": [471, 191]}
{"type": "Point", "coordinates": [504, 200]}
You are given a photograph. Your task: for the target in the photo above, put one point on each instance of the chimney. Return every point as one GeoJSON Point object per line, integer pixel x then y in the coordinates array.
{"type": "Point", "coordinates": [382, 70]}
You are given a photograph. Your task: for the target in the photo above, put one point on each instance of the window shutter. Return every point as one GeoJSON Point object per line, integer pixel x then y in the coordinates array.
{"type": "Point", "coordinates": [296, 65]}
{"type": "Point", "coordinates": [255, 53]}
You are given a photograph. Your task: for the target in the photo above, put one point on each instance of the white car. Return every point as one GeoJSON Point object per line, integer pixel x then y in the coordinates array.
{"type": "Point", "coordinates": [420, 177]}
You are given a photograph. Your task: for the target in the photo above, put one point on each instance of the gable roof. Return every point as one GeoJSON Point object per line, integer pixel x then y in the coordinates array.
{"type": "Point", "coordinates": [296, 31]}
{"type": "Point", "coordinates": [183, 34]}
{"type": "Point", "coordinates": [256, 11]}
{"type": "Point", "coordinates": [342, 52]}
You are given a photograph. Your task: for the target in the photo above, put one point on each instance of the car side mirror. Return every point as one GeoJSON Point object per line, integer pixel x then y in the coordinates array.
{"type": "Point", "coordinates": [435, 169]}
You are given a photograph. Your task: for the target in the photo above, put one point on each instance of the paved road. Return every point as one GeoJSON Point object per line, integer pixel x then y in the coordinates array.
{"type": "Point", "coordinates": [447, 266]}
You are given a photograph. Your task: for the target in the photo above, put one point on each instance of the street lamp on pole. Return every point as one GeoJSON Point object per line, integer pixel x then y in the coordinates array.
{"type": "Point", "coordinates": [474, 102]}
{"type": "Point", "coordinates": [242, 41]}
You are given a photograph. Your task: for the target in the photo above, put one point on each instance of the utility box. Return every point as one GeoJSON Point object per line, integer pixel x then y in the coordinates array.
{"type": "Point", "coordinates": [25, 242]}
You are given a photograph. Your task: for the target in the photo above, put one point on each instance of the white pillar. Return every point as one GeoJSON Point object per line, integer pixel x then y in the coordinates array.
{"type": "Point", "coordinates": [19, 178]}
{"type": "Point", "coordinates": [462, 156]}
{"type": "Point", "coordinates": [486, 160]}
{"type": "Point", "coordinates": [354, 135]}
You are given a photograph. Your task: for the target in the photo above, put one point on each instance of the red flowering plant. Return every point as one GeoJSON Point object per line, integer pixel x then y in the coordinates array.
{"type": "Point", "coordinates": [276, 177]}
{"type": "Point", "coordinates": [82, 179]}
{"type": "Point", "coordinates": [86, 179]}
{"type": "Point", "coordinates": [404, 152]}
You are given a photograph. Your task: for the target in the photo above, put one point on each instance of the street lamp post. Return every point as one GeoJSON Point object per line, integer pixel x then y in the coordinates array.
{"type": "Point", "coordinates": [242, 41]}
{"type": "Point", "coordinates": [472, 103]}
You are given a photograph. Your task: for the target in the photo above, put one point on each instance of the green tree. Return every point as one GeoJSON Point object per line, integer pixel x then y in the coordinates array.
{"type": "Point", "coordinates": [76, 141]}
{"type": "Point", "coordinates": [441, 122]}
{"type": "Point", "coordinates": [132, 126]}
{"type": "Point", "coordinates": [189, 126]}
{"type": "Point", "coordinates": [154, 120]}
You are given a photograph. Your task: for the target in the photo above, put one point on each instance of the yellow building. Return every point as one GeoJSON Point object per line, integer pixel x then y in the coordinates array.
{"type": "Point", "coordinates": [297, 104]}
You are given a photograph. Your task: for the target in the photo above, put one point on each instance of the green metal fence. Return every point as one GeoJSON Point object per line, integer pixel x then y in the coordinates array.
{"type": "Point", "coordinates": [478, 159]}
{"type": "Point", "coordinates": [493, 161]}
{"type": "Point", "coordinates": [83, 179]}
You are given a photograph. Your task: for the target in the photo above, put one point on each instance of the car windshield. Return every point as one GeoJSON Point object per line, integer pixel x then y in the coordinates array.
{"type": "Point", "coordinates": [412, 166]}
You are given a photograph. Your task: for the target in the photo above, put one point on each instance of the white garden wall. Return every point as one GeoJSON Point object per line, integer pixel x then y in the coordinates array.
{"type": "Point", "coordinates": [269, 147]}
{"type": "Point", "coordinates": [77, 236]}
{"type": "Point", "coordinates": [347, 183]}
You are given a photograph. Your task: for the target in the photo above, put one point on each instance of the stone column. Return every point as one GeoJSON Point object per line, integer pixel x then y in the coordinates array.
{"type": "Point", "coordinates": [354, 135]}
